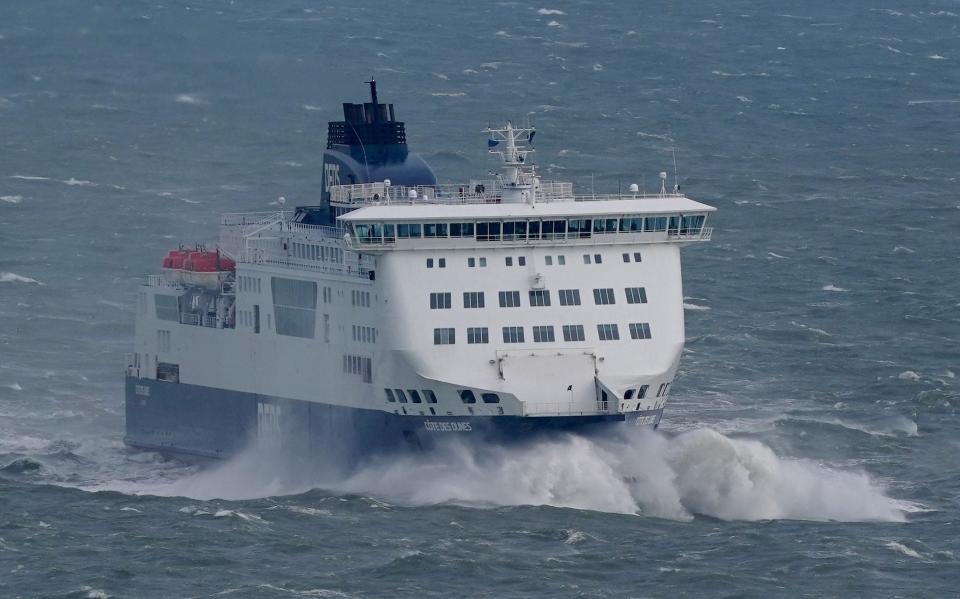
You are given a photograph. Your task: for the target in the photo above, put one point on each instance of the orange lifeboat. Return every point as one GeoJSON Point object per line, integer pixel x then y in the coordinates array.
{"type": "Point", "coordinates": [198, 267]}
{"type": "Point", "coordinates": [173, 264]}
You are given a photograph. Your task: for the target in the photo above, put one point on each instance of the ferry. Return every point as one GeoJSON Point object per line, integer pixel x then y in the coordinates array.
{"type": "Point", "coordinates": [398, 311]}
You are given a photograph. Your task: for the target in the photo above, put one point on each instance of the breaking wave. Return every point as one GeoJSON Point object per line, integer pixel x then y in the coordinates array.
{"type": "Point", "coordinates": [700, 472]}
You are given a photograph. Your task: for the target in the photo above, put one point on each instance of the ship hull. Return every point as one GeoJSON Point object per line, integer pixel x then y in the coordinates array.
{"type": "Point", "coordinates": [219, 423]}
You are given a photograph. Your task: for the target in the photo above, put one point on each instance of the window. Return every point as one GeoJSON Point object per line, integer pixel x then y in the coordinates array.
{"type": "Point", "coordinates": [414, 396]}
{"type": "Point", "coordinates": [631, 224]}
{"type": "Point", "coordinates": [579, 227]}
{"type": "Point", "coordinates": [471, 262]}
{"type": "Point", "coordinates": [603, 297]}
{"type": "Point", "coordinates": [400, 396]}
{"type": "Point", "coordinates": [390, 396]}
{"type": "Point", "coordinates": [442, 263]}
{"type": "Point", "coordinates": [294, 307]}
{"type": "Point", "coordinates": [543, 334]}
{"type": "Point", "coordinates": [440, 301]}
{"type": "Point", "coordinates": [548, 260]}
{"type": "Point", "coordinates": [586, 258]}
{"type": "Point", "coordinates": [509, 299]}
{"type": "Point", "coordinates": [628, 394]}
{"type": "Point", "coordinates": [642, 391]}
{"type": "Point", "coordinates": [430, 395]}
{"type": "Point", "coordinates": [637, 257]}
{"type": "Point", "coordinates": [626, 257]}
{"type": "Point", "coordinates": [488, 231]}
{"type": "Point", "coordinates": [478, 335]}
{"type": "Point", "coordinates": [168, 307]}
{"type": "Point", "coordinates": [490, 398]}
{"type": "Point", "coordinates": [604, 225]}
{"type": "Point", "coordinates": [429, 262]}
{"type": "Point", "coordinates": [561, 260]}
{"type": "Point", "coordinates": [508, 260]}
{"type": "Point", "coordinates": [608, 332]}
{"type": "Point", "coordinates": [473, 299]}
{"type": "Point", "coordinates": [636, 295]}
{"type": "Point", "coordinates": [408, 230]}
{"type": "Point", "coordinates": [435, 230]}
{"type": "Point", "coordinates": [513, 334]}
{"type": "Point", "coordinates": [461, 229]}
{"type": "Point", "coordinates": [444, 336]}
{"type": "Point", "coordinates": [522, 260]}
{"type": "Point", "coordinates": [539, 297]}
{"type": "Point", "coordinates": [467, 396]}
{"type": "Point", "coordinates": [573, 332]}
{"type": "Point", "coordinates": [483, 261]}
{"type": "Point", "coordinates": [597, 259]}
{"type": "Point", "coordinates": [640, 330]}
{"type": "Point", "coordinates": [569, 297]}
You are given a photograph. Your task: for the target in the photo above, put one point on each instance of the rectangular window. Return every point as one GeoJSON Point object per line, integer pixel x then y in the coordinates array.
{"type": "Point", "coordinates": [390, 396]}
{"type": "Point", "coordinates": [435, 230]}
{"type": "Point", "coordinates": [509, 299]}
{"type": "Point", "coordinates": [440, 301]}
{"type": "Point", "coordinates": [442, 263]}
{"type": "Point", "coordinates": [579, 227]}
{"type": "Point", "coordinates": [508, 260]}
{"type": "Point", "coordinates": [573, 332]}
{"type": "Point", "coordinates": [631, 225]}
{"type": "Point", "coordinates": [586, 258]}
{"type": "Point", "coordinates": [603, 297]}
{"type": "Point", "coordinates": [569, 297]}
{"type": "Point", "coordinates": [488, 231]}
{"type": "Point", "coordinates": [444, 336]}
{"type": "Point", "coordinates": [636, 295]}
{"type": "Point", "coordinates": [548, 260]}
{"type": "Point", "coordinates": [637, 257]}
{"type": "Point", "coordinates": [461, 230]}
{"type": "Point", "coordinates": [597, 259]}
{"type": "Point", "coordinates": [430, 395]}
{"type": "Point", "coordinates": [414, 396]}
{"type": "Point", "coordinates": [473, 299]}
{"type": "Point", "coordinates": [401, 396]}
{"type": "Point", "coordinates": [626, 257]}
{"type": "Point", "coordinates": [294, 307]}
{"type": "Point", "coordinates": [483, 261]}
{"type": "Point", "coordinates": [168, 307]}
{"type": "Point", "coordinates": [539, 297]}
{"type": "Point", "coordinates": [608, 225]}
{"type": "Point", "coordinates": [478, 335]}
{"type": "Point", "coordinates": [561, 260]}
{"type": "Point", "coordinates": [429, 262]}
{"type": "Point", "coordinates": [513, 334]}
{"type": "Point", "coordinates": [543, 334]}
{"type": "Point", "coordinates": [522, 261]}
{"type": "Point", "coordinates": [640, 330]}
{"type": "Point", "coordinates": [608, 332]}
{"type": "Point", "coordinates": [471, 262]}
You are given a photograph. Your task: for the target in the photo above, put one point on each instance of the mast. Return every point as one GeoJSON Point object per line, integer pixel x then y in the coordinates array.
{"type": "Point", "coordinates": [519, 182]}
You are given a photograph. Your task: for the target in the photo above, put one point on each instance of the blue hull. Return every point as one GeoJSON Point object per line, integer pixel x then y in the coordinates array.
{"type": "Point", "coordinates": [218, 423]}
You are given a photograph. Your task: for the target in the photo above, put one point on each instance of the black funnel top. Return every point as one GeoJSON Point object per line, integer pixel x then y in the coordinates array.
{"type": "Point", "coordinates": [367, 124]}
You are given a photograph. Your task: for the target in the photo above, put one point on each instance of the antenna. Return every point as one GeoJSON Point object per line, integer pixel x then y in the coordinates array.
{"type": "Point", "coordinates": [676, 175]}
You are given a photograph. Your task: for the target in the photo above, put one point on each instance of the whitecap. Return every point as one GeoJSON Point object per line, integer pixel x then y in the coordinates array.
{"type": "Point", "coordinates": [902, 249]}
{"type": "Point", "coordinates": [598, 67]}
{"type": "Point", "coordinates": [745, 99]}
{"type": "Point", "coordinates": [188, 99]}
{"type": "Point", "coordinates": [550, 11]}
{"type": "Point", "coordinates": [694, 307]}
{"type": "Point", "coordinates": [901, 548]}
{"type": "Point", "coordinates": [918, 102]}
{"type": "Point", "coordinates": [554, 24]}
{"type": "Point", "coordinates": [773, 255]}
{"type": "Point", "coordinates": [12, 277]}
{"type": "Point", "coordinates": [312, 107]}
{"type": "Point", "coordinates": [908, 375]}
{"type": "Point", "coordinates": [28, 178]}
{"type": "Point", "coordinates": [11, 199]}
{"type": "Point", "coordinates": [130, 509]}
{"type": "Point", "coordinates": [79, 182]}
{"type": "Point", "coordinates": [937, 57]}
{"type": "Point", "coordinates": [832, 287]}
{"type": "Point", "coordinates": [14, 386]}
{"type": "Point", "coordinates": [441, 76]}
{"type": "Point", "coordinates": [449, 94]}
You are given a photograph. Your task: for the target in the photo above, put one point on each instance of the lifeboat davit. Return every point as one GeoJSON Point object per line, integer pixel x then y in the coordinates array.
{"type": "Point", "coordinates": [202, 268]}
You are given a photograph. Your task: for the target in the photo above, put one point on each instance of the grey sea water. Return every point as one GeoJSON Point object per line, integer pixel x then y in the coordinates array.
{"type": "Point", "coordinates": [811, 446]}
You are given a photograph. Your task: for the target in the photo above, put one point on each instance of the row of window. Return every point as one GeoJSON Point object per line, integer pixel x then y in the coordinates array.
{"type": "Point", "coordinates": [359, 365]}
{"type": "Point", "coordinates": [163, 340]}
{"type": "Point", "coordinates": [322, 253]}
{"type": "Point", "coordinates": [360, 298]}
{"type": "Point", "coordinates": [542, 333]}
{"type": "Point", "coordinates": [246, 283]}
{"type": "Point", "coordinates": [398, 395]}
{"type": "Point", "coordinates": [574, 228]}
{"type": "Point", "coordinates": [364, 334]}
{"type": "Point", "coordinates": [560, 260]}
{"type": "Point", "coordinates": [442, 300]}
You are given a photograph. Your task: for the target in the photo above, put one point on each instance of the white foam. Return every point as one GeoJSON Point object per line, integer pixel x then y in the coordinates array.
{"type": "Point", "coordinates": [901, 548]}
{"type": "Point", "coordinates": [11, 199]}
{"type": "Point", "coordinates": [832, 287]}
{"type": "Point", "coordinates": [908, 375]}
{"type": "Point", "coordinates": [773, 255]}
{"type": "Point", "coordinates": [79, 182]}
{"type": "Point", "coordinates": [12, 277]}
{"type": "Point", "coordinates": [14, 386]}
{"type": "Point", "coordinates": [697, 472]}
{"type": "Point", "coordinates": [29, 178]}
{"type": "Point", "coordinates": [694, 307]}
{"type": "Point", "coordinates": [550, 11]}
{"type": "Point", "coordinates": [449, 94]}
{"type": "Point", "coordinates": [188, 99]}
{"type": "Point", "coordinates": [598, 67]}
{"type": "Point", "coordinates": [554, 24]}
{"type": "Point", "coordinates": [312, 107]}
{"type": "Point", "coordinates": [902, 249]}
{"type": "Point", "coordinates": [937, 57]}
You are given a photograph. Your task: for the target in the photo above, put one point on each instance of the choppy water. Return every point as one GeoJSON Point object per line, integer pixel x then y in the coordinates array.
{"type": "Point", "coordinates": [811, 447]}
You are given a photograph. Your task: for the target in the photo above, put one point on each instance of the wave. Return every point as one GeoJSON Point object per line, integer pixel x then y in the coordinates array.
{"type": "Point", "coordinates": [11, 199]}
{"type": "Point", "coordinates": [12, 277]}
{"type": "Point", "coordinates": [700, 472]}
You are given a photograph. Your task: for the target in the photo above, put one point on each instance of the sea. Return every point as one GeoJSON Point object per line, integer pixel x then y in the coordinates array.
{"type": "Point", "coordinates": [811, 446]}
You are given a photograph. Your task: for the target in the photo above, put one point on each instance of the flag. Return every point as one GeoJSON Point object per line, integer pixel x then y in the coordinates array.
{"type": "Point", "coordinates": [492, 143]}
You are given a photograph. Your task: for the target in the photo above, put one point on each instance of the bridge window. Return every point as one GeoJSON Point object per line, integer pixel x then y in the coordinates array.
{"type": "Point", "coordinates": [573, 332]}
{"type": "Point", "coordinates": [533, 230]}
{"type": "Point", "coordinates": [509, 299]}
{"type": "Point", "coordinates": [640, 330]}
{"type": "Point", "coordinates": [655, 223]}
{"type": "Point", "coordinates": [608, 332]}
{"type": "Point", "coordinates": [554, 229]}
{"type": "Point", "coordinates": [400, 396]}
{"type": "Point", "coordinates": [488, 231]}
{"type": "Point", "coordinates": [636, 295]}
{"type": "Point", "coordinates": [431, 397]}
{"type": "Point", "coordinates": [603, 297]}
{"type": "Point", "coordinates": [461, 230]}
{"type": "Point", "coordinates": [543, 334]}
{"type": "Point", "coordinates": [473, 299]}
{"type": "Point", "coordinates": [444, 336]}
{"type": "Point", "coordinates": [467, 396]}
{"type": "Point", "coordinates": [513, 334]}
{"type": "Point", "coordinates": [389, 234]}
{"type": "Point", "coordinates": [414, 396]}
{"type": "Point", "coordinates": [632, 224]}
{"type": "Point", "coordinates": [478, 335]}
{"type": "Point", "coordinates": [514, 230]}
{"type": "Point", "coordinates": [628, 395]}
{"type": "Point", "coordinates": [435, 230]}
{"type": "Point", "coordinates": [604, 225]}
{"type": "Point", "coordinates": [642, 391]}
{"type": "Point", "coordinates": [569, 297]}
{"type": "Point", "coordinates": [490, 398]}
{"type": "Point", "coordinates": [440, 301]}
{"type": "Point", "coordinates": [579, 227]}
{"type": "Point", "coordinates": [390, 396]}
{"type": "Point", "coordinates": [539, 297]}
{"type": "Point", "coordinates": [408, 230]}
